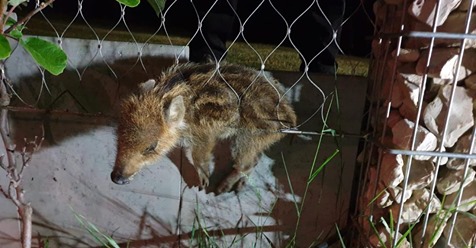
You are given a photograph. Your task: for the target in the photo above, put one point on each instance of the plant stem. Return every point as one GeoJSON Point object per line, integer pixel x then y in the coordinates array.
{"type": "Point", "coordinates": [27, 213]}
{"type": "Point", "coordinates": [3, 6]}
{"type": "Point", "coordinates": [29, 15]}
{"type": "Point", "coordinates": [15, 192]}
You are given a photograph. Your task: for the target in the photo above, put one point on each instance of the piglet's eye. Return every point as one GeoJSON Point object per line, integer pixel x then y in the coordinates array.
{"type": "Point", "coordinates": [150, 149]}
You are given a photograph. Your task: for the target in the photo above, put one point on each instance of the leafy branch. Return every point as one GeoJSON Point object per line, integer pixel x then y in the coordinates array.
{"type": "Point", "coordinates": [25, 19]}
{"type": "Point", "coordinates": [47, 54]}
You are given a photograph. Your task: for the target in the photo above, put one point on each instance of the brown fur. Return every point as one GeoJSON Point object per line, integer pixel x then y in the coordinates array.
{"type": "Point", "coordinates": [194, 106]}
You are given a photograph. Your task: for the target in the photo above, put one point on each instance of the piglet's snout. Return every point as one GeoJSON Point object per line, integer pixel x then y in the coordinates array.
{"type": "Point", "coordinates": [118, 178]}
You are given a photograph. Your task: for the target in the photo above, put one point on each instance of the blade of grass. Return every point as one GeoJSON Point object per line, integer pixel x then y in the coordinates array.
{"type": "Point", "coordinates": [392, 221]}
{"type": "Point", "coordinates": [341, 239]}
{"type": "Point", "coordinates": [377, 234]}
{"type": "Point", "coordinates": [404, 236]}
{"type": "Point", "coordinates": [100, 237]}
{"type": "Point", "coordinates": [321, 167]}
{"type": "Point", "coordinates": [290, 185]}
{"type": "Point", "coordinates": [313, 165]}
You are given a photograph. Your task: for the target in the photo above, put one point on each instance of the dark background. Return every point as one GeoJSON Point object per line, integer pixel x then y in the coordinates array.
{"type": "Point", "coordinates": [265, 26]}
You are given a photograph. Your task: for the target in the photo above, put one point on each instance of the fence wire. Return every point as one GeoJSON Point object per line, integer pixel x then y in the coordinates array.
{"type": "Point", "coordinates": [304, 37]}
{"type": "Point", "coordinates": [306, 57]}
{"type": "Point", "coordinates": [440, 38]}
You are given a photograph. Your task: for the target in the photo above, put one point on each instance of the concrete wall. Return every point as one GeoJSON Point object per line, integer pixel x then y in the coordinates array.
{"type": "Point", "coordinates": [163, 206]}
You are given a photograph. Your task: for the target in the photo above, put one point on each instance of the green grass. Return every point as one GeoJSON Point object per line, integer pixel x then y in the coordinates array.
{"type": "Point", "coordinates": [102, 239]}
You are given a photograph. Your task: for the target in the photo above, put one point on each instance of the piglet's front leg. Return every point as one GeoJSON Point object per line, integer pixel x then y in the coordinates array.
{"type": "Point", "coordinates": [235, 180]}
{"type": "Point", "coordinates": [245, 152]}
{"type": "Point", "coordinates": [202, 155]}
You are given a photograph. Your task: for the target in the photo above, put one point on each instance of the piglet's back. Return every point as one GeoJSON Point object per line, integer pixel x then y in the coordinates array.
{"type": "Point", "coordinates": [231, 95]}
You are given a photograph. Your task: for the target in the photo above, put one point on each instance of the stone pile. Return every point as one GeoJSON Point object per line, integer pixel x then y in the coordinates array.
{"type": "Point", "coordinates": [401, 73]}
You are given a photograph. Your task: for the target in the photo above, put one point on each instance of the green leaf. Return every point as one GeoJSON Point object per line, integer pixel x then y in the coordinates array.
{"type": "Point", "coordinates": [129, 3]}
{"type": "Point", "coordinates": [11, 20]}
{"type": "Point", "coordinates": [5, 49]}
{"type": "Point", "coordinates": [15, 33]}
{"type": "Point", "coordinates": [47, 54]}
{"type": "Point", "coordinates": [16, 2]}
{"type": "Point", "coordinates": [157, 5]}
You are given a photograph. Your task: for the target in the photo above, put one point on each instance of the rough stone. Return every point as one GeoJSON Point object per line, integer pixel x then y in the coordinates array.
{"type": "Point", "coordinates": [462, 146]}
{"type": "Point", "coordinates": [411, 91]}
{"type": "Point", "coordinates": [464, 232]}
{"type": "Point", "coordinates": [402, 137]}
{"type": "Point", "coordinates": [397, 94]}
{"type": "Point", "coordinates": [468, 66]}
{"type": "Point", "coordinates": [414, 207]}
{"type": "Point", "coordinates": [407, 55]}
{"type": "Point", "coordinates": [424, 10]}
{"type": "Point", "coordinates": [451, 180]}
{"type": "Point", "coordinates": [408, 109]}
{"type": "Point", "coordinates": [422, 173]}
{"type": "Point", "coordinates": [393, 118]}
{"type": "Point", "coordinates": [455, 23]}
{"type": "Point", "coordinates": [384, 238]}
{"type": "Point", "coordinates": [468, 200]}
{"type": "Point", "coordinates": [442, 63]}
{"type": "Point", "coordinates": [412, 78]}
{"type": "Point", "coordinates": [461, 116]}
{"type": "Point", "coordinates": [391, 173]}
{"type": "Point", "coordinates": [465, 5]}
{"type": "Point", "coordinates": [376, 213]}
{"type": "Point", "coordinates": [434, 229]}
{"type": "Point", "coordinates": [384, 200]}
{"type": "Point", "coordinates": [435, 87]}
{"type": "Point", "coordinates": [440, 160]}
{"type": "Point", "coordinates": [396, 194]}
{"type": "Point", "coordinates": [381, 196]}
{"type": "Point", "coordinates": [470, 82]}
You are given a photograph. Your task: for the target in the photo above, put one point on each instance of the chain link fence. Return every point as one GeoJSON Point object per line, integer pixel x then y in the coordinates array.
{"type": "Point", "coordinates": [110, 49]}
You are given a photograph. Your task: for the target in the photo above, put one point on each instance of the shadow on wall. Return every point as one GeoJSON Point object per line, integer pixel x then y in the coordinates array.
{"type": "Point", "coordinates": [74, 95]}
{"type": "Point", "coordinates": [75, 105]}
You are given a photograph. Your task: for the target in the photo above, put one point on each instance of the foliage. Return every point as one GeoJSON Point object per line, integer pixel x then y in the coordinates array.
{"type": "Point", "coordinates": [129, 3]}
{"type": "Point", "coordinates": [157, 5]}
{"type": "Point", "coordinates": [5, 49]}
{"type": "Point", "coordinates": [48, 55]}
{"type": "Point", "coordinates": [45, 53]}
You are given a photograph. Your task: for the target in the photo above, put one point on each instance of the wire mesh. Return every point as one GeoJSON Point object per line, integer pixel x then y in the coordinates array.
{"type": "Point", "coordinates": [405, 199]}
{"type": "Point", "coordinates": [330, 15]}
{"type": "Point", "coordinates": [173, 34]}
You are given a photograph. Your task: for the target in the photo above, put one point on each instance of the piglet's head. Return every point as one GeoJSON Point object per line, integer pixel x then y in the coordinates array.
{"type": "Point", "coordinates": [149, 126]}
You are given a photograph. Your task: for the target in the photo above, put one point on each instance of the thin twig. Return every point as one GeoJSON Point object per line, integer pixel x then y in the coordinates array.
{"type": "Point", "coordinates": [15, 191]}
{"type": "Point", "coordinates": [57, 112]}
{"type": "Point", "coordinates": [29, 15]}
{"type": "Point", "coordinates": [5, 133]}
{"type": "Point", "coordinates": [7, 16]}
{"type": "Point", "coordinates": [4, 95]}
{"type": "Point", "coordinates": [3, 6]}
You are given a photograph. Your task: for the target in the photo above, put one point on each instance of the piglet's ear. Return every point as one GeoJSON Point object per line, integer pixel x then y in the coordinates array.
{"type": "Point", "coordinates": [147, 85]}
{"type": "Point", "coordinates": [175, 112]}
